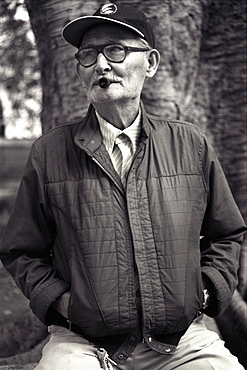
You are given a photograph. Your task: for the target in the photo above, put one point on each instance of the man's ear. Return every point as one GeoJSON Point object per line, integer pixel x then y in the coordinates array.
{"type": "Point", "coordinates": [153, 62]}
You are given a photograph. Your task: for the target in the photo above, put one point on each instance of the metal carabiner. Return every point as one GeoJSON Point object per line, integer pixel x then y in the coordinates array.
{"type": "Point", "coordinates": [105, 361]}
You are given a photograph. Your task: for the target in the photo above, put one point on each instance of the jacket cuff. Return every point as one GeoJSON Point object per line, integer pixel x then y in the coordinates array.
{"type": "Point", "coordinates": [41, 301]}
{"type": "Point", "coordinates": [220, 293]}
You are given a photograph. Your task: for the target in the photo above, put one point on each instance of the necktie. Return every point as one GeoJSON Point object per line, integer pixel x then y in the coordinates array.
{"type": "Point", "coordinates": [122, 155]}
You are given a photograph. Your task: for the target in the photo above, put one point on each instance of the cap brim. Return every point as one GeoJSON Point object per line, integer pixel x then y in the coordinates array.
{"type": "Point", "coordinates": [73, 31]}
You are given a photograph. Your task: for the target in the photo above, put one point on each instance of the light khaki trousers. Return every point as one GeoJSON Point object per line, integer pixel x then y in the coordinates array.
{"type": "Point", "coordinates": [199, 349]}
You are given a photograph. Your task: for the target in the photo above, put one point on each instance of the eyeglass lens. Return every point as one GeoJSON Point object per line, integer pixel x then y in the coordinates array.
{"type": "Point", "coordinates": [114, 53]}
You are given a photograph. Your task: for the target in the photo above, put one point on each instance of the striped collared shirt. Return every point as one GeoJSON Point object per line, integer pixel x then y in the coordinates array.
{"type": "Point", "coordinates": [110, 132]}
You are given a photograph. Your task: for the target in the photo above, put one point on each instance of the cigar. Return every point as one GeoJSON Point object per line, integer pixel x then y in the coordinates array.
{"type": "Point", "coordinates": [104, 82]}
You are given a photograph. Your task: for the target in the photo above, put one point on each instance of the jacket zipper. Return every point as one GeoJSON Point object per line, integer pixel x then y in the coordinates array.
{"type": "Point", "coordinates": [106, 171]}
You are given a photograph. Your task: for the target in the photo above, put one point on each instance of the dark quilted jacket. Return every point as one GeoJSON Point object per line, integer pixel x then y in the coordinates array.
{"type": "Point", "coordinates": [71, 202]}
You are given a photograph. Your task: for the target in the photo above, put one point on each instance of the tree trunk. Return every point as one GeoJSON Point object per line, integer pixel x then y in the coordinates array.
{"type": "Point", "coordinates": [63, 97]}
{"type": "Point", "coordinates": [201, 79]}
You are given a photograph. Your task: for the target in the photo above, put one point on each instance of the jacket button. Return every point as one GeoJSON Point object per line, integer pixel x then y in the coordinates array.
{"type": "Point", "coordinates": [168, 350]}
{"type": "Point", "coordinates": [133, 338]}
{"type": "Point", "coordinates": [121, 356]}
{"type": "Point", "coordinates": [122, 136]}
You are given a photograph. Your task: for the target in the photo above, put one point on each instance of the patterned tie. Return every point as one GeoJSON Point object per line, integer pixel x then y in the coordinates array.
{"type": "Point", "coordinates": [122, 155]}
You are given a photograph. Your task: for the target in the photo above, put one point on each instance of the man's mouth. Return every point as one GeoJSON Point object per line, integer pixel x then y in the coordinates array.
{"type": "Point", "coordinates": [105, 82]}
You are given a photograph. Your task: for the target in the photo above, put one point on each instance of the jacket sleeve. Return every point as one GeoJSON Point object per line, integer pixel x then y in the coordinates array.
{"type": "Point", "coordinates": [222, 234]}
{"type": "Point", "coordinates": [27, 242]}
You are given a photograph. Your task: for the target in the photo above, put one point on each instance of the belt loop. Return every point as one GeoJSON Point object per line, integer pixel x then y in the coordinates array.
{"type": "Point", "coordinates": [70, 325]}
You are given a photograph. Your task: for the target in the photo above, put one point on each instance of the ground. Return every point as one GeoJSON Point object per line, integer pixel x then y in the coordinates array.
{"type": "Point", "coordinates": [13, 156]}
{"type": "Point", "coordinates": [20, 332]}
{"type": "Point", "coordinates": [13, 302]}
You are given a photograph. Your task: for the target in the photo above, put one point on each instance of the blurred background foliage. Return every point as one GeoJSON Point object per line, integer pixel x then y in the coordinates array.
{"type": "Point", "coordinates": [20, 90]}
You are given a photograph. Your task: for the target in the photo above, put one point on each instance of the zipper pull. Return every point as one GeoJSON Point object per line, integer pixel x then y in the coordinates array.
{"type": "Point", "coordinates": [105, 361]}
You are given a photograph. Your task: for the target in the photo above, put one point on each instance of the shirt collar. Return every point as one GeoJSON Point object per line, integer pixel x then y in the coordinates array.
{"type": "Point", "coordinates": [110, 132]}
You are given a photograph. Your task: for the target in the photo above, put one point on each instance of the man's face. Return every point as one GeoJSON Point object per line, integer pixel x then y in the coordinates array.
{"type": "Point", "coordinates": [127, 78]}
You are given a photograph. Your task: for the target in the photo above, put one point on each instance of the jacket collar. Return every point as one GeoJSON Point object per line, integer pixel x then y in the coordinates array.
{"type": "Point", "coordinates": [89, 136]}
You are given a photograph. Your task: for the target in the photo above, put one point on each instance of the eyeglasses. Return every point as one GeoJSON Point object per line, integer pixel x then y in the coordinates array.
{"type": "Point", "coordinates": [114, 53]}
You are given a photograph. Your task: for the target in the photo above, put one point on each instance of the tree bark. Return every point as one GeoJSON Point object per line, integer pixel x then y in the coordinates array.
{"type": "Point", "coordinates": [63, 97]}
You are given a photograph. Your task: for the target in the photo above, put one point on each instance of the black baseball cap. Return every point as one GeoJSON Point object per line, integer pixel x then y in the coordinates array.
{"type": "Point", "coordinates": [124, 15]}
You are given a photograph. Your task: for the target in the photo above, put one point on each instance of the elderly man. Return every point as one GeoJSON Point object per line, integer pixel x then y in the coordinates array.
{"type": "Point", "coordinates": [124, 230]}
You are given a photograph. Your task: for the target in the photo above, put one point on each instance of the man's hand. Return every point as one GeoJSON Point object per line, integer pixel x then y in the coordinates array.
{"type": "Point", "coordinates": [207, 299]}
{"type": "Point", "coordinates": [61, 304]}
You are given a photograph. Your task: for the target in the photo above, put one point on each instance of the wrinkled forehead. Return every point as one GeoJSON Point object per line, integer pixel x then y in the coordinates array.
{"type": "Point", "coordinates": [102, 33]}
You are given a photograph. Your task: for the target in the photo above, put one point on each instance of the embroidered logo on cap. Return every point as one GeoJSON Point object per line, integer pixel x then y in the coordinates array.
{"type": "Point", "coordinates": [108, 9]}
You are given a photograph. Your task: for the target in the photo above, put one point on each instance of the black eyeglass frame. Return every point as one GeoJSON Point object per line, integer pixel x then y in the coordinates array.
{"type": "Point", "coordinates": [100, 49]}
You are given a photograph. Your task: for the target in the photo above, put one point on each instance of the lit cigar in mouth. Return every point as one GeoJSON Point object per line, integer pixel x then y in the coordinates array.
{"type": "Point", "coordinates": [104, 82]}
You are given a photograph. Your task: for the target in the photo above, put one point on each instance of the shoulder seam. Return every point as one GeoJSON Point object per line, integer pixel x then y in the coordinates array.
{"type": "Point", "coordinates": [59, 127]}
{"type": "Point", "coordinates": [159, 119]}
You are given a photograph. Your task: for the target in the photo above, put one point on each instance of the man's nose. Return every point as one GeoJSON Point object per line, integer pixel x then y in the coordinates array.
{"type": "Point", "coordinates": [102, 64]}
